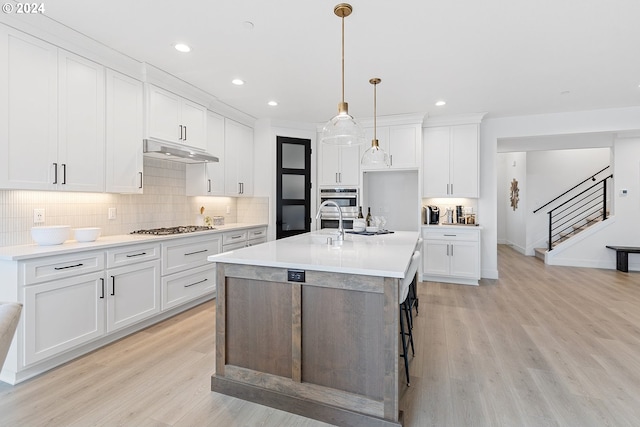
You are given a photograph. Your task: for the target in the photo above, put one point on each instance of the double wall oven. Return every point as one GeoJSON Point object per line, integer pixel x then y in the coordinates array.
{"type": "Point", "coordinates": [345, 197]}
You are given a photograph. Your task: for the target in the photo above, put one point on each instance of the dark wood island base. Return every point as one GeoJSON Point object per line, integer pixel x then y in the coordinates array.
{"type": "Point", "coordinates": [326, 348]}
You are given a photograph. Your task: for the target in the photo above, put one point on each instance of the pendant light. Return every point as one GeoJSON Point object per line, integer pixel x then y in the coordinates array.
{"type": "Point", "coordinates": [342, 129]}
{"type": "Point", "coordinates": [375, 156]}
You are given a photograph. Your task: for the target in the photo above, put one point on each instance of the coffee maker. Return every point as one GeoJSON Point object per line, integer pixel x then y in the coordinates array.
{"type": "Point", "coordinates": [431, 214]}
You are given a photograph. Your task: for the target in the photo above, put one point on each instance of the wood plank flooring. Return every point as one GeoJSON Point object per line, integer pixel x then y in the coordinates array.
{"type": "Point", "coordinates": [541, 346]}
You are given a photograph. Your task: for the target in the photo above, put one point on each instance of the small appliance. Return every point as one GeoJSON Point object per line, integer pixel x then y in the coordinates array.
{"type": "Point", "coordinates": [431, 214]}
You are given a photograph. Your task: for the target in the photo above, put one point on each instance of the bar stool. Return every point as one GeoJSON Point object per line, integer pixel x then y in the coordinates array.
{"type": "Point", "coordinates": [413, 290]}
{"type": "Point", "coordinates": [405, 307]}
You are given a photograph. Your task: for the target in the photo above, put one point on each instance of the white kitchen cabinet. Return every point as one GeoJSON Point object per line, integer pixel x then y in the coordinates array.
{"type": "Point", "coordinates": [187, 285]}
{"type": "Point", "coordinates": [238, 239]}
{"type": "Point", "coordinates": [451, 254]}
{"type": "Point", "coordinates": [81, 130]}
{"type": "Point", "coordinates": [51, 119]}
{"type": "Point", "coordinates": [132, 293]}
{"type": "Point", "coordinates": [401, 142]}
{"type": "Point", "coordinates": [207, 179]}
{"type": "Point", "coordinates": [62, 314]}
{"type": "Point", "coordinates": [450, 161]}
{"type": "Point", "coordinates": [175, 119]}
{"type": "Point", "coordinates": [339, 165]}
{"type": "Point", "coordinates": [124, 133]}
{"type": "Point", "coordinates": [238, 151]}
{"type": "Point", "coordinates": [186, 272]}
{"type": "Point", "coordinates": [29, 90]}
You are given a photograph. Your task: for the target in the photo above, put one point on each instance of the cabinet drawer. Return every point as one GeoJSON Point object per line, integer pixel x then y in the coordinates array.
{"type": "Point", "coordinates": [257, 241]}
{"type": "Point", "coordinates": [451, 235]}
{"type": "Point", "coordinates": [181, 287]}
{"type": "Point", "coordinates": [188, 253]}
{"type": "Point", "coordinates": [257, 233]}
{"type": "Point", "coordinates": [131, 254]}
{"type": "Point", "coordinates": [234, 237]}
{"type": "Point", "coordinates": [61, 266]}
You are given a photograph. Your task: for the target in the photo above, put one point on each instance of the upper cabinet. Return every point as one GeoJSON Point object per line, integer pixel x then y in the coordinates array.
{"type": "Point", "coordinates": [401, 142]}
{"type": "Point", "coordinates": [207, 179]}
{"type": "Point", "coordinates": [175, 119]}
{"type": "Point", "coordinates": [339, 166]}
{"type": "Point", "coordinates": [450, 161]}
{"type": "Point", "coordinates": [54, 136]}
{"type": "Point", "coordinates": [238, 153]}
{"type": "Point", "coordinates": [124, 131]}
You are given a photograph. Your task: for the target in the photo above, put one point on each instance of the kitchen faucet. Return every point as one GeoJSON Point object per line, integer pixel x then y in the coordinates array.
{"type": "Point", "coordinates": [340, 228]}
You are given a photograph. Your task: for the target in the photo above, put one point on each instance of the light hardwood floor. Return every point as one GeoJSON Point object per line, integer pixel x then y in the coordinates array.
{"type": "Point", "coordinates": [542, 346]}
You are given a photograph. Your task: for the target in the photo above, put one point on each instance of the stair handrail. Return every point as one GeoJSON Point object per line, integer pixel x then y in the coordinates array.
{"type": "Point", "coordinates": [604, 206]}
{"type": "Point", "coordinates": [591, 177]}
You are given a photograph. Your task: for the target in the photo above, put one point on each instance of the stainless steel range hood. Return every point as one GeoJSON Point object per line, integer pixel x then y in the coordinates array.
{"type": "Point", "coordinates": [166, 151]}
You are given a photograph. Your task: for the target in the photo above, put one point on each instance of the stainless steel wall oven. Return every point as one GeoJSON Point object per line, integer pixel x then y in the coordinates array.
{"type": "Point", "coordinates": [347, 199]}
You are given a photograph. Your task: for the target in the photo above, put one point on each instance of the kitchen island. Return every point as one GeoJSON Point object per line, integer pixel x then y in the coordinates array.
{"type": "Point", "coordinates": [312, 327]}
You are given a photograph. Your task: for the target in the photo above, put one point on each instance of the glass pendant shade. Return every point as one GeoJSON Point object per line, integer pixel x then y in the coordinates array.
{"type": "Point", "coordinates": [342, 129]}
{"type": "Point", "coordinates": [375, 156]}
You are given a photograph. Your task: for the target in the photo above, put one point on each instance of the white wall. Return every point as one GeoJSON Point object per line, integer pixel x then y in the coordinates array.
{"type": "Point", "coordinates": [512, 223]}
{"type": "Point", "coordinates": [491, 130]}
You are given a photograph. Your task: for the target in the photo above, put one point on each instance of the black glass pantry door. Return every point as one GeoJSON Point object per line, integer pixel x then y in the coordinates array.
{"type": "Point", "coordinates": [293, 203]}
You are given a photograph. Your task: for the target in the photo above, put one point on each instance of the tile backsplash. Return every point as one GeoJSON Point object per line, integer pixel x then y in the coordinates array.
{"type": "Point", "coordinates": [163, 204]}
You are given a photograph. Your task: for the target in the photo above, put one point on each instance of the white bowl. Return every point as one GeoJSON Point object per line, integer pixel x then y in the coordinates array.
{"type": "Point", "coordinates": [51, 235]}
{"type": "Point", "coordinates": [358, 229]}
{"type": "Point", "coordinates": [88, 234]}
{"type": "Point", "coordinates": [372, 229]}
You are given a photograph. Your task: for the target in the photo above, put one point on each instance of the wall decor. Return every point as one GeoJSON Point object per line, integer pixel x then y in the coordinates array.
{"type": "Point", "coordinates": [515, 191]}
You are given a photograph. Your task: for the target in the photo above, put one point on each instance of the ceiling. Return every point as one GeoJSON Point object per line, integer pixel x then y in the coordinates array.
{"type": "Point", "coordinates": [503, 57]}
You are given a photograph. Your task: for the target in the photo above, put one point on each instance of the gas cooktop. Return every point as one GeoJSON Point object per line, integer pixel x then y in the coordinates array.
{"type": "Point", "coordinates": [174, 230]}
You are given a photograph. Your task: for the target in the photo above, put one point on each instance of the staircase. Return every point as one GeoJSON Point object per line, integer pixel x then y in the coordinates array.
{"type": "Point", "coordinates": [577, 212]}
{"type": "Point", "coordinates": [575, 229]}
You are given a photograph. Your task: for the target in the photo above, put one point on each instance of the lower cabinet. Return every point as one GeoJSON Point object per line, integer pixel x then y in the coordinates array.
{"type": "Point", "coordinates": [451, 254]}
{"type": "Point", "coordinates": [62, 314]}
{"type": "Point", "coordinates": [186, 272]}
{"type": "Point", "coordinates": [132, 293]}
{"type": "Point", "coordinates": [181, 287]}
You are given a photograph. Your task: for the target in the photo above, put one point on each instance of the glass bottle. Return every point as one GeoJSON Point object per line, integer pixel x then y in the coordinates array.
{"type": "Point", "coordinates": [360, 212]}
{"type": "Point", "coordinates": [369, 217]}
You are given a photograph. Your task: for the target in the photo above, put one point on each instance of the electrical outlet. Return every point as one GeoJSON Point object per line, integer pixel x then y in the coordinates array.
{"type": "Point", "coordinates": [228, 209]}
{"type": "Point", "coordinates": [38, 216]}
{"type": "Point", "coordinates": [112, 213]}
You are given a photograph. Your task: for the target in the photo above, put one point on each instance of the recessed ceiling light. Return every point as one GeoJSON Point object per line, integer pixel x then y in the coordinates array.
{"type": "Point", "coordinates": [273, 103]}
{"type": "Point", "coordinates": [181, 47]}
{"type": "Point", "coordinates": [237, 82]}
{"type": "Point", "coordinates": [440, 103]}
{"type": "Point", "coordinates": [565, 92]}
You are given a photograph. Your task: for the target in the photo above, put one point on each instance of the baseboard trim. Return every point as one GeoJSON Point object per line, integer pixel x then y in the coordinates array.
{"type": "Point", "coordinates": [295, 405]}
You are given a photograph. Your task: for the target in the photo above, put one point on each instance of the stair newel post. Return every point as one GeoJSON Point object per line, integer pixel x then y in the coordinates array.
{"type": "Point", "coordinates": [549, 246]}
{"type": "Point", "coordinates": [604, 199]}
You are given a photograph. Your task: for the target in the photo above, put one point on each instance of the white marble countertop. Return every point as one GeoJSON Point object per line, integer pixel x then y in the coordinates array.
{"type": "Point", "coordinates": [385, 255]}
{"type": "Point", "coordinates": [22, 252]}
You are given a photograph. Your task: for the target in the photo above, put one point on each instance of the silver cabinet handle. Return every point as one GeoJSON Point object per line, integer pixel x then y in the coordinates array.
{"type": "Point", "coordinates": [447, 249]}
{"type": "Point", "coordinates": [55, 173]}
{"type": "Point", "coordinates": [452, 189]}
{"type": "Point", "coordinates": [208, 186]}
{"type": "Point", "coordinates": [185, 132]}
{"type": "Point", "coordinates": [113, 285]}
{"type": "Point", "coordinates": [102, 286]}
{"type": "Point", "coordinates": [180, 136]}
{"type": "Point", "coordinates": [64, 173]}
{"type": "Point", "coordinates": [197, 283]}
{"type": "Point", "coordinates": [391, 160]}
{"type": "Point", "coordinates": [236, 237]}
{"type": "Point", "coordinates": [451, 250]}
{"type": "Point", "coordinates": [140, 173]}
